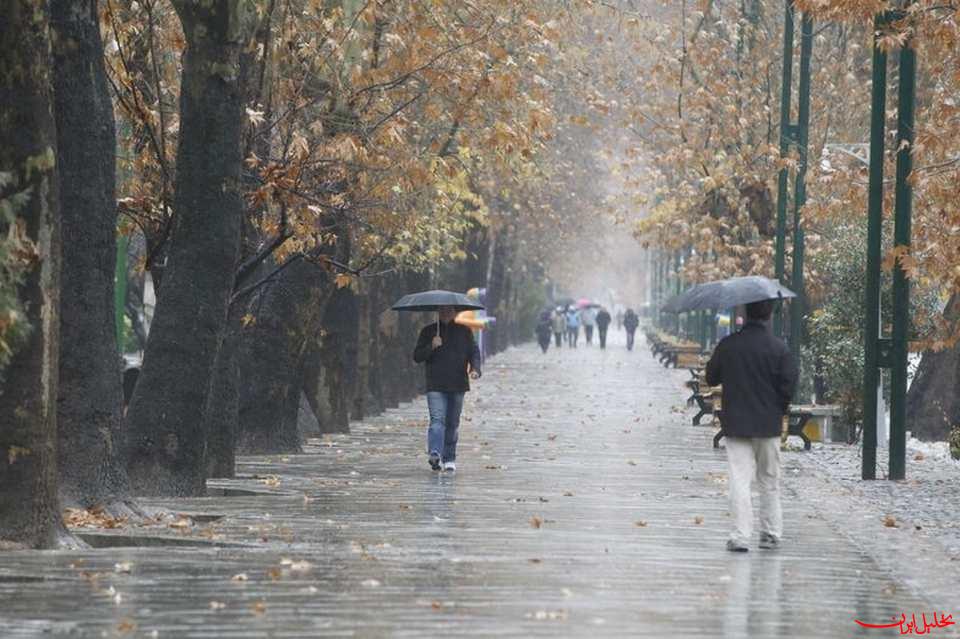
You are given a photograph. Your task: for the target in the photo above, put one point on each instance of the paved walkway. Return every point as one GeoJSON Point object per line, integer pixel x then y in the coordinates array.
{"type": "Point", "coordinates": [585, 505]}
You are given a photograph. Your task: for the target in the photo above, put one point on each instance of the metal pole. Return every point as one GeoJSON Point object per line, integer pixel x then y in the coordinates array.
{"type": "Point", "coordinates": [901, 284]}
{"type": "Point", "coordinates": [786, 86]}
{"type": "Point", "coordinates": [797, 305]}
{"type": "Point", "coordinates": [871, 360]}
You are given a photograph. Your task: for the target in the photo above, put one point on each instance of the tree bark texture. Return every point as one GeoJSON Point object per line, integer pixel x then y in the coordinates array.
{"type": "Point", "coordinates": [166, 448]}
{"type": "Point", "coordinates": [288, 313]}
{"type": "Point", "coordinates": [933, 403]}
{"type": "Point", "coordinates": [29, 505]}
{"type": "Point", "coordinates": [90, 392]}
{"type": "Point", "coordinates": [338, 356]}
{"type": "Point", "coordinates": [221, 412]}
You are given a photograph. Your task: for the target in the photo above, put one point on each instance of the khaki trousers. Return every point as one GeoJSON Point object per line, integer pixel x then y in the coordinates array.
{"type": "Point", "coordinates": [752, 458]}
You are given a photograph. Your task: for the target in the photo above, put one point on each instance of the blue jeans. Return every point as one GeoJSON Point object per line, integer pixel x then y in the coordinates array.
{"type": "Point", "coordinates": [444, 423]}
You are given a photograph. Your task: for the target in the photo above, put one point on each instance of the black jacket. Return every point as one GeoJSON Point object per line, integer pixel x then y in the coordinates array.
{"type": "Point", "coordinates": [603, 320]}
{"type": "Point", "coordinates": [631, 321]}
{"type": "Point", "coordinates": [447, 365]}
{"type": "Point", "coordinates": [759, 377]}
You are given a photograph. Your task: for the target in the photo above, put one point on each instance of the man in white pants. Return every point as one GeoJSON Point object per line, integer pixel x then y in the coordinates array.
{"type": "Point", "coordinates": [759, 376]}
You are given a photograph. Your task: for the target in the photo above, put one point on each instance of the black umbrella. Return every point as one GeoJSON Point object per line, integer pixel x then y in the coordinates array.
{"type": "Point", "coordinates": [728, 293]}
{"type": "Point", "coordinates": [435, 300]}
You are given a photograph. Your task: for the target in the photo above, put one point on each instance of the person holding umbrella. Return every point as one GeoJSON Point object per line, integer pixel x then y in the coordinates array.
{"type": "Point", "coordinates": [588, 317]}
{"type": "Point", "coordinates": [603, 323]}
{"type": "Point", "coordinates": [759, 376]}
{"type": "Point", "coordinates": [573, 327]}
{"type": "Point", "coordinates": [630, 322]}
{"type": "Point", "coordinates": [452, 358]}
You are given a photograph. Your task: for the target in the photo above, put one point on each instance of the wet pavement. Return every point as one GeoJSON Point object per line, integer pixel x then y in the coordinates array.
{"type": "Point", "coordinates": [584, 505]}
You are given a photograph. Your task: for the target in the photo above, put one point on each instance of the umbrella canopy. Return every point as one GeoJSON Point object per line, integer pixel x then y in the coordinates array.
{"type": "Point", "coordinates": [728, 293]}
{"type": "Point", "coordinates": [563, 301]}
{"type": "Point", "coordinates": [435, 300]}
{"type": "Point", "coordinates": [583, 302]}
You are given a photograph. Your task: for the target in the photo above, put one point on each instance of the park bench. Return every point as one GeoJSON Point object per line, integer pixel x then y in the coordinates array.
{"type": "Point", "coordinates": [677, 353]}
{"type": "Point", "coordinates": [797, 419]}
{"type": "Point", "coordinates": [704, 396]}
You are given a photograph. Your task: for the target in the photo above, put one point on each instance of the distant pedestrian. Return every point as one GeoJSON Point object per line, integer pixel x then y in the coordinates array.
{"type": "Point", "coordinates": [544, 329]}
{"type": "Point", "coordinates": [449, 351]}
{"type": "Point", "coordinates": [573, 327]}
{"type": "Point", "coordinates": [620, 319]}
{"type": "Point", "coordinates": [603, 323]}
{"type": "Point", "coordinates": [630, 323]}
{"type": "Point", "coordinates": [588, 317]}
{"type": "Point", "coordinates": [759, 377]}
{"type": "Point", "coordinates": [559, 326]}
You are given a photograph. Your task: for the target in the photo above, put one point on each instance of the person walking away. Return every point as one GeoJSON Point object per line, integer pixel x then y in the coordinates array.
{"type": "Point", "coordinates": [544, 330]}
{"type": "Point", "coordinates": [559, 326]}
{"type": "Point", "coordinates": [573, 327]}
{"type": "Point", "coordinates": [603, 323]}
{"type": "Point", "coordinates": [630, 324]}
{"type": "Point", "coordinates": [759, 377]}
{"type": "Point", "coordinates": [620, 319]}
{"type": "Point", "coordinates": [449, 351]}
{"type": "Point", "coordinates": [588, 317]}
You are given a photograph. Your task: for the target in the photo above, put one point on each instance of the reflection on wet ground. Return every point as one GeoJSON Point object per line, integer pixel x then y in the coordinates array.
{"type": "Point", "coordinates": [584, 505]}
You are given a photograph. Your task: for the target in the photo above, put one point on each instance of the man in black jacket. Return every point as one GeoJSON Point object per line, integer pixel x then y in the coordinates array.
{"type": "Point", "coordinates": [448, 349]}
{"type": "Point", "coordinates": [603, 323]}
{"type": "Point", "coordinates": [759, 377]}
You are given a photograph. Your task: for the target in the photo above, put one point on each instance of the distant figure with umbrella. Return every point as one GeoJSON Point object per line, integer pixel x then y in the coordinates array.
{"type": "Point", "coordinates": [588, 317]}
{"type": "Point", "coordinates": [559, 326]}
{"type": "Point", "coordinates": [630, 323]}
{"type": "Point", "coordinates": [544, 330]}
{"type": "Point", "coordinates": [603, 323]}
{"type": "Point", "coordinates": [759, 377]}
{"type": "Point", "coordinates": [573, 327]}
{"type": "Point", "coordinates": [450, 354]}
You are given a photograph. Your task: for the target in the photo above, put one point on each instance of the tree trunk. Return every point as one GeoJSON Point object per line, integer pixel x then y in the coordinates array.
{"type": "Point", "coordinates": [221, 412]}
{"type": "Point", "coordinates": [90, 393]}
{"type": "Point", "coordinates": [29, 505]}
{"type": "Point", "coordinates": [933, 402]}
{"type": "Point", "coordinates": [166, 451]}
{"type": "Point", "coordinates": [272, 354]}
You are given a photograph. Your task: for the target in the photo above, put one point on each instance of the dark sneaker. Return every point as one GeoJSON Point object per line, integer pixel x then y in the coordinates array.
{"type": "Point", "coordinates": [769, 542]}
{"type": "Point", "coordinates": [736, 546]}
{"type": "Point", "coordinates": [435, 461]}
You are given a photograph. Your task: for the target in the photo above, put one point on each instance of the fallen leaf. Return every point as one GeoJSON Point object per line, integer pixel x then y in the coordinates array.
{"type": "Point", "coordinates": [296, 566]}
{"type": "Point", "coordinates": [240, 576]}
{"type": "Point", "coordinates": [126, 625]}
{"type": "Point", "coordinates": [217, 605]}
{"type": "Point", "coordinates": [890, 522]}
{"type": "Point", "coordinates": [181, 523]}
{"type": "Point", "coordinates": [640, 523]}
{"type": "Point", "coordinates": [698, 520]}
{"type": "Point", "coordinates": [123, 567]}
{"type": "Point", "coordinates": [536, 522]}
{"type": "Point", "coordinates": [259, 608]}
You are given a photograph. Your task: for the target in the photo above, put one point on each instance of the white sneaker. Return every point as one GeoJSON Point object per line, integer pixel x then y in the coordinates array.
{"type": "Point", "coordinates": [449, 466]}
